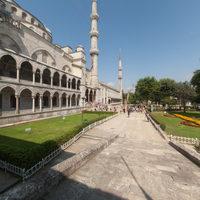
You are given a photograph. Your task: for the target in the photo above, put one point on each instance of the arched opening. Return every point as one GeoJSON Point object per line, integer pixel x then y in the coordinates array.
{"type": "Point", "coordinates": [26, 71]}
{"type": "Point", "coordinates": [56, 79]}
{"type": "Point", "coordinates": [37, 76]}
{"type": "Point", "coordinates": [64, 100]}
{"type": "Point", "coordinates": [13, 9]}
{"type": "Point", "coordinates": [46, 77]}
{"type": "Point", "coordinates": [94, 97]}
{"type": "Point", "coordinates": [91, 96]}
{"type": "Point", "coordinates": [64, 81]}
{"type": "Point", "coordinates": [46, 99]}
{"type": "Point", "coordinates": [69, 83]}
{"type": "Point", "coordinates": [69, 101]}
{"type": "Point", "coordinates": [73, 83]}
{"type": "Point", "coordinates": [7, 100]}
{"type": "Point", "coordinates": [8, 67]}
{"type": "Point", "coordinates": [109, 101]}
{"type": "Point", "coordinates": [78, 100]}
{"type": "Point", "coordinates": [87, 96]}
{"type": "Point", "coordinates": [73, 100]}
{"type": "Point", "coordinates": [25, 99]}
{"type": "Point", "coordinates": [24, 15]}
{"type": "Point", "coordinates": [55, 99]}
{"type": "Point", "coordinates": [37, 100]}
{"type": "Point", "coordinates": [78, 85]}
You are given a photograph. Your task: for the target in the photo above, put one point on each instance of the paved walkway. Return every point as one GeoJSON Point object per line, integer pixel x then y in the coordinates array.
{"type": "Point", "coordinates": [138, 165]}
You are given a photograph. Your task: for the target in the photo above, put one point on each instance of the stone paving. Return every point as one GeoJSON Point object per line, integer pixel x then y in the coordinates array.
{"type": "Point", "coordinates": [138, 165]}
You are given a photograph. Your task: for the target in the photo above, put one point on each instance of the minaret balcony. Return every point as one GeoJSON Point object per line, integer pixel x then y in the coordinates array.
{"type": "Point", "coordinates": [94, 33]}
{"type": "Point", "coordinates": [94, 52]}
{"type": "Point", "coordinates": [94, 16]}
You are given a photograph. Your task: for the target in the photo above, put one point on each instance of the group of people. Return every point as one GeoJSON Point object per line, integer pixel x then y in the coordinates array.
{"type": "Point", "coordinates": [130, 109]}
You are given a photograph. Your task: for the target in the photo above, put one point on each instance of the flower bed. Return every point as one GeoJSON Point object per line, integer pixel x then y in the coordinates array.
{"type": "Point", "coordinates": [189, 119]}
{"type": "Point", "coordinates": [187, 123]}
{"type": "Point", "coordinates": [169, 115]}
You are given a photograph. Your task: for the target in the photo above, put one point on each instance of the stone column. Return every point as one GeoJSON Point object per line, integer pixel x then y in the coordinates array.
{"type": "Point", "coordinates": [60, 82]}
{"type": "Point", "coordinates": [51, 81]}
{"type": "Point", "coordinates": [17, 104]}
{"type": "Point", "coordinates": [66, 101]}
{"type": "Point", "coordinates": [40, 78]}
{"type": "Point", "coordinates": [33, 78]}
{"type": "Point", "coordinates": [60, 102]}
{"type": "Point", "coordinates": [33, 104]}
{"type": "Point", "coordinates": [18, 75]}
{"type": "Point", "coordinates": [40, 103]}
{"type": "Point", "coordinates": [51, 103]}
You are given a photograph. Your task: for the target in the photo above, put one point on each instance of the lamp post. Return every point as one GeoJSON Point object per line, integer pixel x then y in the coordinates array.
{"type": "Point", "coordinates": [82, 109]}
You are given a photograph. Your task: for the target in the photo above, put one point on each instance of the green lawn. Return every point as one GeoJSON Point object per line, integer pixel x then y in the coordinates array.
{"type": "Point", "coordinates": [173, 126]}
{"type": "Point", "coordinates": [25, 149]}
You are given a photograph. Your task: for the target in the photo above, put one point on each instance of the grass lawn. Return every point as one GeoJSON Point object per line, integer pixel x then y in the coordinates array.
{"type": "Point", "coordinates": [173, 126]}
{"type": "Point", "coordinates": [26, 149]}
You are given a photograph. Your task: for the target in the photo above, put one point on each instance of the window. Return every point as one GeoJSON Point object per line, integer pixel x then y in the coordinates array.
{"type": "Point", "coordinates": [13, 9]}
{"type": "Point", "coordinates": [44, 35]}
{"type": "Point", "coordinates": [32, 20]}
{"type": "Point", "coordinates": [24, 15]}
{"type": "Point", "coordinates": [12, 101]}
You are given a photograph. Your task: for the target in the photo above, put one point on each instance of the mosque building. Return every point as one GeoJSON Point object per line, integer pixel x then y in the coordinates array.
{"type": "Point", "coordinates": [40, 79]}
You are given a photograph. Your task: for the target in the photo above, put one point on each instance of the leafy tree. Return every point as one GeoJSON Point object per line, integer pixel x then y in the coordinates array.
{"type": "Point", "coordinates": [195, 81]}
{"type": "Point", "coordinates": [148, 89]}
{"type": "Point", "coordinates": [185, 93]}
{"type": "Point", "coordinates": [167, 87]}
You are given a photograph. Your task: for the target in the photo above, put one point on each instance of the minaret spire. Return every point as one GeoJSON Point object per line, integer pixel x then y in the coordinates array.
{"type": "Point", "coordinates": [94, 51]}
{"type": "Point", "coordinates": [120, 74]}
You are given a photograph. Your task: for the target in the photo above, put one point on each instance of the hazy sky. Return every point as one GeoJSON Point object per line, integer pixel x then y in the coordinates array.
{"type": "Point", "coordinates": [158, 38]}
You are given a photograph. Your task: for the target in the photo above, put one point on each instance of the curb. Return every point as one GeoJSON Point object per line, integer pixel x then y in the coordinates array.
{"type": "Point", "coordinates": [41, 184]}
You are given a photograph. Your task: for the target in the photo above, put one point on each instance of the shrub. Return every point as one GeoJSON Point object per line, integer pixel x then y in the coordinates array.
{"type": "Point", "coordinates": [163, 127]}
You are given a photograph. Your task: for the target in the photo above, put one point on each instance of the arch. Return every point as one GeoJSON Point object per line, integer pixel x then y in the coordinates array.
{"type": "Point", "coordinates": [7, 99]}
{"type": "Point", "coordinates": [78, 100]}
{"type": "Point", "coordinates": [64, 100]}
{"type": "Point", "coordinates": [73, 83]}
{"type": "Point", "coordinates": [37, 76]}
{"type": "Point", "coordinates": [64, 81]}
{"type": "Point", "coordinates": [87, 96]}
{"type": "Point", "coordinates": [13, 9]}
{"type": "Point", "coordinates": [37, 100]}
{"type": "Point", "coordinates": [56, 79]}
{"type": "Point", "coordinates": [6, 42]}
{"type": "Point", "coordinates": [8, 66]}
{"type": "Point", "coordinates": [46, 76]}
{"type": "Point", "coordinates": [67, 69]}
{"type": "Point", "coordinates": [25, 99]}
{"type": "Point", "coordinates": [69, 83]}
{"type": "Point", "coordinates": [55, 100]}
{"type": "Point", "coordinates": [42, 55]}
{"type": "Point", "coordinates": [69, 101]}
{"type": "Point", "coordinates": [78, 84]}
{"type": "Point", "coordinates": [73, 100]}
{"type": "Point", "coordinates": [46, 99]}
{"type": "Point", "coordinates": [26, 71]}
{"type": "Point", "coordinates": [91, 96]}
{"type": "Point", "coordinates": [24, 15]}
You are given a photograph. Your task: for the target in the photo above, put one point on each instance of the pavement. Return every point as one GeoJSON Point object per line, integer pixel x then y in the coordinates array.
{"type": "Point", "coordinates": [139, 165]}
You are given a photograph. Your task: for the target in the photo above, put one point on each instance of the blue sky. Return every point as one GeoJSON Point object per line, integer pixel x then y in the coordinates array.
{"type": "Point", "coordinates": [158, 38]}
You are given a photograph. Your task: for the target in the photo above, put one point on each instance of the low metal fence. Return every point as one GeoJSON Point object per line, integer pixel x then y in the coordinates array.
{"type": "Point", "coordinates": [25, 174]}
{"type": "Point", "coordinates": [184, 140]}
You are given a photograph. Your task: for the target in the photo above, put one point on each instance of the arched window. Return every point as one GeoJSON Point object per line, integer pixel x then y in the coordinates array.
{"type": "Point", "coordinates": [69, 83]}
{"type": "Point", "coordinates": [37, 76]}
{"type": "Point", "coordinates": [56, 79]}
{"type": "Point", "coordinates": [74, 83]}
{"type": "Point", "coordinates": [46, 77]}
{"type": "Point", "coordinates": [56, 100]}
{"type": "Point", "coordinates": [8, 67]}
{"type": "Point", "coordinates": [26, 99]}
{"type": "Point", "coordinates": [87, 95]}
{"type": "Point", "coordinates": [13, 9]}
{"type": "Point", "coordinates": [78, 85]}
{"type": "Point", "coordinates": [26, 72]}
{"type": "Point", "coordinates": [73, 100]}
{"type": "Point", "coordinates": [64, 81]}
{"type": "Point", "coordinates": [32, 20]}
{"type": "Point", "coordinates": [46, 99]}
{"type": "Point", "coordinates": [64, 100]}
{"type": "Point", "coordinates": [24, 15]}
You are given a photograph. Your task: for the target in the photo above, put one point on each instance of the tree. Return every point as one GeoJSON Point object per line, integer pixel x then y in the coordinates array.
{"type": "Point", "coordinates": [148, 89]}
{"type": "Point", "coordinates": [195, 81]}
{"type": "Point", "coordinates": [185, 93]}
{"type": "Point", "coordinates": [167, 87]}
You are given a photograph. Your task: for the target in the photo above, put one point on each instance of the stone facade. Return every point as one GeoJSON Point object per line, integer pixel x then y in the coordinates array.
{"type": "Point", "coordinates": [37, 76]}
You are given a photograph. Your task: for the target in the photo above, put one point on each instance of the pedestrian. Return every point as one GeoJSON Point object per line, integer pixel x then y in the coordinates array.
{"type": "Point", "coordinates": [129, 111]}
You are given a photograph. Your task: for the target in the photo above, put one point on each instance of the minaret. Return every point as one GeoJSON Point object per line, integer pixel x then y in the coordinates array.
{"type": "Point", "coordinates": [120, 75]}
{"type": "Point", "coordinates": [94, 51]}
